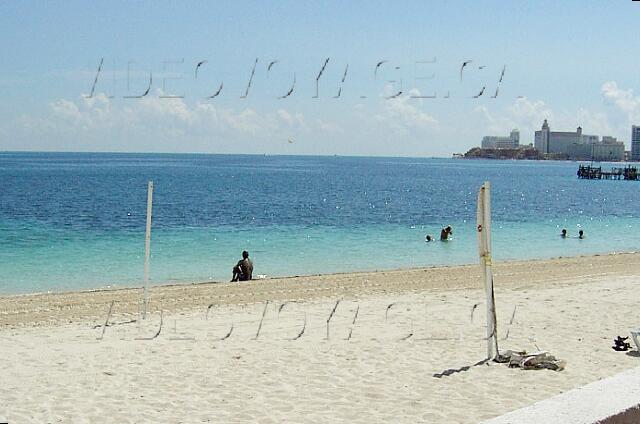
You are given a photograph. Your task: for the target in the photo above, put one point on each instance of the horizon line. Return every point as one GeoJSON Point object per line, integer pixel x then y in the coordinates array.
{"type": "Point", "coordinates": [221, 154]}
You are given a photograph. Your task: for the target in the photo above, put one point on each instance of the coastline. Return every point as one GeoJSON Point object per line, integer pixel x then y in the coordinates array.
{"type": "Point", "coordinates": [86, 305]}
{"type": "Point", "coordinates": [221, 352]}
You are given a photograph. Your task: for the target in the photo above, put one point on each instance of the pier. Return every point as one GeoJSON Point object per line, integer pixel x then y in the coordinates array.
{"type": "Point", "coordinates": [596, 173]}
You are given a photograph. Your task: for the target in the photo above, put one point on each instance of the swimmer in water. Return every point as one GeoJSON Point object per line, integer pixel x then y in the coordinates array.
{"type": "Point", "coordinates": [580, 234]}
{"type": "Point", "coordinates": [563, 234]}
{"type": "Point", "coordinates": [446, 233]}
{"type": "Point", "coordinates": [428, 238]}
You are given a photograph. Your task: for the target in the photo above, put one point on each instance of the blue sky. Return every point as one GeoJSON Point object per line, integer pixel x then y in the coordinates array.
{"type": "Point", "coordinates": [573, 62]}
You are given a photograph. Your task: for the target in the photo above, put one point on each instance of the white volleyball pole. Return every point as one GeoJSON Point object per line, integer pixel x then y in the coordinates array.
{"type": "Point", "coordinates": [147, 250]}
{"type": "Point", "coordinates": [491, 303]}
{"type": "Point", "coordinates": [484, 247]}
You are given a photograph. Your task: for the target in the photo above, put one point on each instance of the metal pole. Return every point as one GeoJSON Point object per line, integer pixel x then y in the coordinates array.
{"type": "Point", "coordinates": [147, 249]}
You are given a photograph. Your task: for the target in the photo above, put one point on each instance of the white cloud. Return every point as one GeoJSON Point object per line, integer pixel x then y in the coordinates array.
{"type": "Point", "coordinates": [166, 108]}
{"type": "Point", "coordinates": [624, 100]}
{"type": "Point", "coordinates": [595, 123]}
{"type": "Point", "coordinates": [156, 123]}
{"type": "Point", "coordinates": [247, 121]}
{"type": "Point", "coordinates": [65, 108]}
{"type": "Point", "coordinates": [401, 115]}
{"type": "Point", "coordinates": [175, 125]}
{"type": "Point", "coordinates": [285, 116]}
{"type": "Point", "coordinates": [327, 127]}
{"type": "Point", "coordinates": [523, 114]}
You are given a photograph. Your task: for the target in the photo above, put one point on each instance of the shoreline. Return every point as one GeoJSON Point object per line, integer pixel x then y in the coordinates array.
{"type": "Point", "coordinates": [117, 288]}
{"type": "Point", "coordinates": [88, 305]}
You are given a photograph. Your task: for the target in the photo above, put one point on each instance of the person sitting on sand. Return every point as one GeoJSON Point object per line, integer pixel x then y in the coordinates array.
{"type": "Point", "coordinates": [580, 234]}
{"type": "Point", "coordinates": [244, 268]}
{"type": "Point", "coordinates": [563, 234]}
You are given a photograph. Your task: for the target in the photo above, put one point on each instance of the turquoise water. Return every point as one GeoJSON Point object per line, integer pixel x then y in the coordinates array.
{"type": "Point", "coordinates": [76, 221]}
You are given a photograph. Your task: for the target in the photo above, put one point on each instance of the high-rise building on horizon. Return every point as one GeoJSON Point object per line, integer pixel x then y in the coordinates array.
{"type": "Point", "coordinates": [515, 137]}
{"type": "Point", "coordinates": [635, 142]}
{"type": "Point", "coordinates": [500, 142]}
{"type": "Point", "coordinates": [578, 146]}
{"type": "Point", "coordinates": [573, 144]}
{"type": "Point", "coordinates": [541, 139]}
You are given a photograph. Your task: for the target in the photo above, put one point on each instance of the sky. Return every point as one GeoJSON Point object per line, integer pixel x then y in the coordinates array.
{"type": "Point", "coordinates": [575, 63]}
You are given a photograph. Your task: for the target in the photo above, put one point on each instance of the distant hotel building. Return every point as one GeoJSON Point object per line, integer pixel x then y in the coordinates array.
{"type": "Point", "coordinates": [578, 146]}
{"type": "Point", "coordinates": [500, 142]}
{"type": "Point", "coordinates": [635, 142]}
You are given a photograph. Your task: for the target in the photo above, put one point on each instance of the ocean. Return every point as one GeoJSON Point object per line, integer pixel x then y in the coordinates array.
{"type": "Point", "coordinates": [72, 221]}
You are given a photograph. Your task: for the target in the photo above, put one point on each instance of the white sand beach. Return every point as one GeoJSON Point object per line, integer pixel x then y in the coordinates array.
{"type": "Point", "coordinates": [391, 332]}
